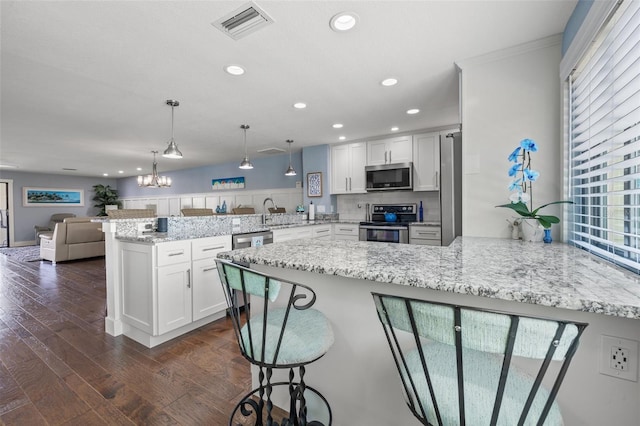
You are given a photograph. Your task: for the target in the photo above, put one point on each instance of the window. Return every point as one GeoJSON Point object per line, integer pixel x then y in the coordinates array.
{"type": "Point", "coordinates": [604, 142]}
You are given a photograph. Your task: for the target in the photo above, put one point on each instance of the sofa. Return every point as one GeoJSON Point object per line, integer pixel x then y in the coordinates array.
{"type": "Point", "coordinates": [74, 238]}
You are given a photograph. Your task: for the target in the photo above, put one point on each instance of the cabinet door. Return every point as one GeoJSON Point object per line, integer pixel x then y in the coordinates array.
{"type": "Point", "coordinates": [208, 296]}
{"type": "Point", "coordinates": [376, 152]}
{"type": "Point", "coordinates": [426, 162]}
{"type": "Point", "coordinates": [357, 179]}
{"type": "Point", "coordinates": [340, 169]}
{"type": "Point", "coordinates": [400, 150]}
{"type": "Point", "coordinates": [174, 297]}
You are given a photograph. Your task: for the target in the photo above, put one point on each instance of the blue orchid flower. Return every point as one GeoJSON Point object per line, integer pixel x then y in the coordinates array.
{"type": "Point", "coordinates": [515, 169]}
{"type": "Point", "coordinates": [531, 175]}
{"type": "Point", "coordinates": [516, 184]}
{"type": "Point", "coordinates": [514, 154]}
{"type": "Point", "coordinates": [529, 145]}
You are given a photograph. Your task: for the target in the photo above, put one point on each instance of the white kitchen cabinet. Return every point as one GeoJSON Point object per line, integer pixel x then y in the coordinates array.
{"type": "Point", "coordinates": [390, 151]}
{"type": "Point", "coordinates": [294, 233]}
{"type": "Point", "coordinates": [170, 288]}
{"type": "Point", "coordinates": [174, 297]}
{"type": "Point", "coordinates": [347, 168]}
{"type": "Point", "coordinates": [207, 293]}
{"type": "Point", "coordinates": [322, 232]}
{"type": "Point", "coordinates": [346, 231]}
{"type": "Point", "coordinates": [424, 235]}
{"type": "Point", "coordinates": [426, 162]}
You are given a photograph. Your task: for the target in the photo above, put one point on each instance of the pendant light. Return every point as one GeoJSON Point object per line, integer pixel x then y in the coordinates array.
{"type": "Point", "coordinates": [246, 164]}
{"type": "Point", "coordinates": [290, 170]}
{"type": "Point", "coordinates": [153, 180]}
{"type": "Point", "coordinates": [172, 150]}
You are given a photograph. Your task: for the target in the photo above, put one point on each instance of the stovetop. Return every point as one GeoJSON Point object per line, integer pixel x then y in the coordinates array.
{"type": "Point", "coordinates": [405, 214]}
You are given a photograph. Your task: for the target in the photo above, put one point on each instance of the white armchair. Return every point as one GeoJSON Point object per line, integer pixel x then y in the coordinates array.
{"type": "Point", "coordinates": [55, 218]}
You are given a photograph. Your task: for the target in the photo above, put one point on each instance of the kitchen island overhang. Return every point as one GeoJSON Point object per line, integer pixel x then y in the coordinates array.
{"type": "Point", "coordinates": [555, 281]}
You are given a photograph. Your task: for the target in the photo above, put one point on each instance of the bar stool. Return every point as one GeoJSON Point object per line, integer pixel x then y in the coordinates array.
{"type": "Point", "coordinates": [295, 335]}
{"type": "Point", "coordinates": [460, 364]}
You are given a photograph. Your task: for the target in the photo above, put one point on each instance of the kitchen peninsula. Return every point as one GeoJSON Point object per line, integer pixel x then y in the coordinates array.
{"type": "Point", "coordinates": [550, 280]}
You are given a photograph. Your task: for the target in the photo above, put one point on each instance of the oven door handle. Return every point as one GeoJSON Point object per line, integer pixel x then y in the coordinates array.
{"type": "Point", "coordinates": [385, 228]}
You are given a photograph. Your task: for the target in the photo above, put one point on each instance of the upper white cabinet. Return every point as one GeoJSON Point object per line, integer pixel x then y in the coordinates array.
{"type": "Point", "coordinates": [426, 162]}
{"type": "Point", "coordinates": [347, 168]}
{"type": "Point", "coordinates": [390, 151]}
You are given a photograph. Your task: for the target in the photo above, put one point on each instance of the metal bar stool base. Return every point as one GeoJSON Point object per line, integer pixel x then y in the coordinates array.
{"type": "Point", "coordinates": [251, 404]}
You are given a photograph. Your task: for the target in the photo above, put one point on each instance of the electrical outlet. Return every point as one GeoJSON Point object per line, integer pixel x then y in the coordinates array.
{"type": "Point", "coordinates": [619, 358]}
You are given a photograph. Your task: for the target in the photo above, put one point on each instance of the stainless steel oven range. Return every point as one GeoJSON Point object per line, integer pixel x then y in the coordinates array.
{"type": "Point", "coordinates": [389, 223]}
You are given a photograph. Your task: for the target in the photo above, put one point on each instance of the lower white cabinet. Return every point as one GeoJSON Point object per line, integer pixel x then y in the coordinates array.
{"type": "Point", "coordinates": [307, 231]}
{"type": "Point", "coordinates": [322, 232]}
{"type": "Point", "coordinates": [174, 297]}
{"type": "Point", "coordinates": [346, 231]}
{"type": "Point", "coordinates": [170, 288]}
{"type": "Point", "coordinates": [424, 235]}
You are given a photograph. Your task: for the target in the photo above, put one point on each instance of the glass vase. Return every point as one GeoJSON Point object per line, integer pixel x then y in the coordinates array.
{"type": "Point", "coordinates": [547, 236]}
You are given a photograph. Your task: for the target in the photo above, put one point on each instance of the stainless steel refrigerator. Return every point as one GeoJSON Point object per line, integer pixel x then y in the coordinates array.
{"type": "Point", "coordinates": [451, 187]}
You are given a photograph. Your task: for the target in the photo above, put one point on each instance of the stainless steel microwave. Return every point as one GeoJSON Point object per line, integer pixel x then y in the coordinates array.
{"type": "Point", "coordinates": [388, 177]}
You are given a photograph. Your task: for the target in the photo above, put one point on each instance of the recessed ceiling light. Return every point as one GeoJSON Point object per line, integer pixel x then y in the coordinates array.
{"type": "Point", "coordinates": [120, 171]}
{"type": "Point", "coordinates": [138, 168]}
{"type": "Point", "coordinates": [337, 126]}
{"type": "Point", "coordinates": [234, 69]}
{"type": "Point", "coordinates": [389, 82]}
{"type": "Point", "coordinates": [343, 21]}
{"type": "Point", "coordinates": [299, 105]}
{"type": "Point", "coordinates": [394, 129]}
{"type": "Point", "coordinates": [105, 174]}
{"type": "Point", "coordinates": [413, 111]}
{"type": "Point", "coordinates": [342, 138]}
{"type": "Point", "coordinates": [8, 166]}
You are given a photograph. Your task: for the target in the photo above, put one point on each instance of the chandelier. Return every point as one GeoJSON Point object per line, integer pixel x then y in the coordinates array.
{"type": "Point", "coordinates": [153, 180]}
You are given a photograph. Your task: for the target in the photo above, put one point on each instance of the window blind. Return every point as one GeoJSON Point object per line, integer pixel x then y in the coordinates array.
{"type": "Point", "coordinates": [604, 142]}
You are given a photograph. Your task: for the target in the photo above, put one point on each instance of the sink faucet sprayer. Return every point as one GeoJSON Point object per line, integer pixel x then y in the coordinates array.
{"type": "Point", "coordinates": [264, 209]}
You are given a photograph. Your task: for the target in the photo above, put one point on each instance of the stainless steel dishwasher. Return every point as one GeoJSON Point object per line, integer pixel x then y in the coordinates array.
{"type": "Point", "coordinates": [246, 240]}
{"type": "Point", "coordinates": [251, 239]}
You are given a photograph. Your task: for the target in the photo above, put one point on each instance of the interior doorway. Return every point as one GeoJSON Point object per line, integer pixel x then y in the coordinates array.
{"type": "Point", "coordinates": [6, 219]}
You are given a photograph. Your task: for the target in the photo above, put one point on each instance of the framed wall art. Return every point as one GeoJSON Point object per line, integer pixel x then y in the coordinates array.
{"type": "Point", "coordinates": [227, 183]}
{"type": "Point", "coordinates": [48, 197]}
{"type": "Point", "coordinates": [314, 184]}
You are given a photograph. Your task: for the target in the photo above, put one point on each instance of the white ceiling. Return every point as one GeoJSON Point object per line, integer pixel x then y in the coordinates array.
{"type": "Point", "coordinates": [84, 83]}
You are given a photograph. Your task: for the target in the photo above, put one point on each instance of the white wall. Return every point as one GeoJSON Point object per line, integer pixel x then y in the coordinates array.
{"type": "Point", "coordinates": [507, 96]}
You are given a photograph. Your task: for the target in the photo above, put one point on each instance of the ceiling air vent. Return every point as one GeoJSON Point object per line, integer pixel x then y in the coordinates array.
{"type": "Point", "coordinates": [243, 21]}
{"type": "Point", "coordinates": [271, 150]}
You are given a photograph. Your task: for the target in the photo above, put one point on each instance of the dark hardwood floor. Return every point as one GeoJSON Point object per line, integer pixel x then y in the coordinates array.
{"type": "Point", "coordinates": [58, 366]}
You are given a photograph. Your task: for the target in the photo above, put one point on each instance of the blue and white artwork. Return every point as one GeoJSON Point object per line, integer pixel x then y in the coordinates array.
{"type": "Point", "coordinates": [46, 197]}
{"type": "Point", "coordinates": [314, 184]}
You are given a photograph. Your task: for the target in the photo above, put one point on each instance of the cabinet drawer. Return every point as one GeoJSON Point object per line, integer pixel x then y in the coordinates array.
{"type": "Point", "coordinates": [346, 229]}
{"type": "Point", "coordinates": [424, 232]}
{"type": "Point", "coordinates": [174, 252]}
{"type": "Point", "coordinates": [322, 231]}
{"type": "Point", "coordinates": [204, 248]}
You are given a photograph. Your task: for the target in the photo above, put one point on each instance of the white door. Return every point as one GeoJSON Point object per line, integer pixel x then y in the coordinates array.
{"type": "Point", "coordinates": [208, 296]}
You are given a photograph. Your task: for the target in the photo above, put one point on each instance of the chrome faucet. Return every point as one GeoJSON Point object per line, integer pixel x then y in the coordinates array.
{"type": "Point", "coordinates": [264, 209]}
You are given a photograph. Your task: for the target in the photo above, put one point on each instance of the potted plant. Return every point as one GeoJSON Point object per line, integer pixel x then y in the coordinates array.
{"type": "Point", "coordinates": [105, 196]}
{"type": "Point", "coordinates": [521, 187]}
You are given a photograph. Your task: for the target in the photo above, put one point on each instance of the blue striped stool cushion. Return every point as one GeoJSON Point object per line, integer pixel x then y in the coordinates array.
{"type": "Point", "coordinates": [308, 335]}
{"type": "Point", "coordinates": [481, 375]}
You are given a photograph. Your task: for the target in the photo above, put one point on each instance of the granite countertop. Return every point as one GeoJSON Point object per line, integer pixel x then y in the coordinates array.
{"type": "Point", "coordinates": [556, 275]}
{"type": "Point", "coordinates": [163, 237]}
